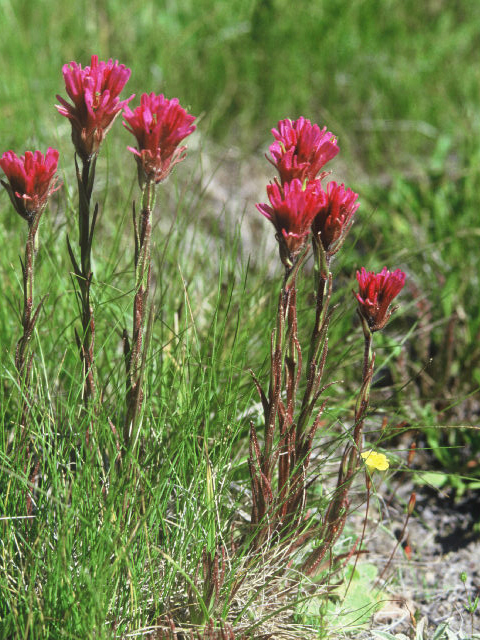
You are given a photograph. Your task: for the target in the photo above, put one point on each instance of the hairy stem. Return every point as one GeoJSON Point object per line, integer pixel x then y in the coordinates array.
{"type": "Point", "coordinates": [83, 277]}
{"type": "Point", "coordinates": [134, 351]}
{"type": "Point", "coordinates": [28, 271]}
{"type": "Point", "coordinates": [336, 514]}
{"type": "Point", "coordinates": [23, 359]}
{"type": "Point", "coordinates": [277, 509]}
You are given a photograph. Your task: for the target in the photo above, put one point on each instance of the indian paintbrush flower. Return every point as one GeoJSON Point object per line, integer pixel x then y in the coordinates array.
{"type": "Point", "coordinates": [335, 217]}
{"type": "Point", "coordinates": [31, 180]}
{"type": "Point", "coordinates": [293, 208]}
{"type": "Point", "coordinates": [301, 149]}
{"type": "Point", "coordinates": [299, 206]}
{"type": "Point", "coordinates": [94, 92]}
{"type": "Point", "coordinates": [376, 292]}
{"type": "Point", "coordinates": [159, 125]}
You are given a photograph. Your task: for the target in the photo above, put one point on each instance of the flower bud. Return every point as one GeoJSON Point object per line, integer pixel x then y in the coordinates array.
{"type": "Point", "coordinates": [411, 503]}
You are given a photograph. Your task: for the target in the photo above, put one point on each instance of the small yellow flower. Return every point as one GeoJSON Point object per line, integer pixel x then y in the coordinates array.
{"type": "Point", "coordinates": [375, 460]}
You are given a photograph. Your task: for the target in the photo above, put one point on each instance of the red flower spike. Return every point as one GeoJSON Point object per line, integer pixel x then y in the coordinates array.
{"type": "Point", "coordinates": [94, 92]}
{"type": "Point", "coordinates": [335, 218]}
{"type": "Point", "coordinates": [411, 503]}
{"type": "Point", "coordinates": [159, 125]}
{"type": "Point", "coordinates": [376, 292]}
{"type": "Point", "coordinates": [293, 207]}
{"type": "Point", "coordinates": [31, 180]}
{"type": "Point", "coordinates": [301, 149]}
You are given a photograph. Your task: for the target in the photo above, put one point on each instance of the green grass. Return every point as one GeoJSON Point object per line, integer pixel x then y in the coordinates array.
{"type": "Point", "coordinates": [116, 548]}
{"type": "Point", "coordinates": [90, 556]}
{"type": "Point", "coordinates": [119, 546]}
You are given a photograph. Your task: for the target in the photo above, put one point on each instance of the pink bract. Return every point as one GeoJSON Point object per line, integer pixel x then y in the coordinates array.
{"type": "Point", "coordinates": [335, 217]}
{"type": "Point", "coordinates": [31, 180]}
{"type": "Point", "coordinates": [301, 149]}
{"type": "Point", "coordinates": [293, 207]}
{"type": "Point", "coordinates": [159, 125]}
{"type": "Point", "coordinates": [376, 292]}
{"type": "Point", "coordinates": [94, 92]}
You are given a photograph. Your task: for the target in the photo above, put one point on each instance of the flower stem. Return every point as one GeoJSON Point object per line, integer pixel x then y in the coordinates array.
{"type": "Point", "coordinates": [134, 352]}
{"type": "Point", "coordinates": [23, 359]}
{"type": "Point", "coordinates": [83, 275]}
{"type": "Point", "coordinates": [277, 509]}
{"type": "Point", "coordinates": [364, 395]}
{"type": "Point", "coordinates": [27, 269]}
{"type": "Point", "coordinates": [338, 508]}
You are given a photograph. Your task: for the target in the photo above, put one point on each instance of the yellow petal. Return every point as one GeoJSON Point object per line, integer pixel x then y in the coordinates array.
{"type": "Point", "coordinates": [375, 460]}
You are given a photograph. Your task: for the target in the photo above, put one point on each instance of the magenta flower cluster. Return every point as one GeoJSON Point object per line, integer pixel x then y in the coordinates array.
{"type": "Point", "coordinates": [376, 293]}
{"type": "Point", "coordinates": [94, 92]}
{"type": "Point", "coordinates": [31, 180]}
{"type": "Point", "coordinates": [300, 207]}
{"type": "Point", "coordinates": [158, 124]}
{"type": "Point", "coordinates": [293, 207]}
{"type": "Point", "coordinates": [301, 149]}
{"type": "Point", "coordinates": [299, 152]}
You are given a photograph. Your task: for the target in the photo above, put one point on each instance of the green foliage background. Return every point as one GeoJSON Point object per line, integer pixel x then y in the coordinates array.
{"type": "Point", "coordinates": [388, 77]}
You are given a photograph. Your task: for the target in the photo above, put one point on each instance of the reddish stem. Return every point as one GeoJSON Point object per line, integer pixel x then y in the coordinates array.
{"type": "Point", "coordinates": [134, 352]}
